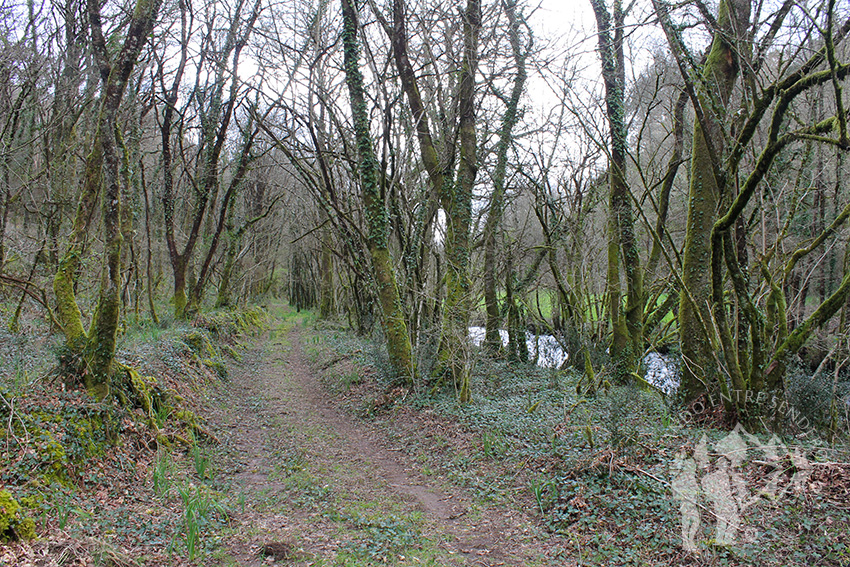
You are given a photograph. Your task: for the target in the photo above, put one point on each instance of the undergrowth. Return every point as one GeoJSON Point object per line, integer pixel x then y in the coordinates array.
{"type": "Point", "coordinates": [598, 470]}
{"type": "Point", "coordinates": [69, 461]}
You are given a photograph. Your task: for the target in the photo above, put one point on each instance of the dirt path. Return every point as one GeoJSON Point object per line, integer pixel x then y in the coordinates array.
{"type": "Point", "coordinates": [316, 487]}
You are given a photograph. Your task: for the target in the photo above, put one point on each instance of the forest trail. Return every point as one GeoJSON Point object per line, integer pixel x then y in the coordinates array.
{"type": "Point", "coordinates": [321, 488]}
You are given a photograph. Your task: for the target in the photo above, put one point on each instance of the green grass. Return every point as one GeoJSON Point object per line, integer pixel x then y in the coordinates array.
{"type": "Point", "coordinates": [544, 298]}
{"type": "Point", "coordinates": [543, 301]}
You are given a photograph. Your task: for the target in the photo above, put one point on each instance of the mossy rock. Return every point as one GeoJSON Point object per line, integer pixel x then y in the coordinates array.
{"type": "Point", "coordinates": [13, 525]}
{"type": "Point", "coordinates": [199, 343]}
{"type": "Point", "coordinates": [54, 452]}
{"type": "Point", "coordinates": [48, 460]}
{"type": "Point", "coordinates": [217, 323]}
{"type": "Point", "coordinates": [54, 438]}
{"type": "Point", "coordinates": [254, 319]}
{"type": "Point", "coordinates": [227, 324]}
{"type": "Point", "coordinates": [88, 433]}
{"type": "Point", "coordinates": [146, 389]}
{"type": "Point", "coordinates": [187, 417]}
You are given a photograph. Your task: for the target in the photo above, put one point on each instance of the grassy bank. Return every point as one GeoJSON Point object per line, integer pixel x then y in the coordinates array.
{"type": "Point", "coordinates": [113, 482]}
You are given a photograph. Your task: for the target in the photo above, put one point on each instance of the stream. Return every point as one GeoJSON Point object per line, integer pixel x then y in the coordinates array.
{"type": "Point", "coordinates": [660, 370]}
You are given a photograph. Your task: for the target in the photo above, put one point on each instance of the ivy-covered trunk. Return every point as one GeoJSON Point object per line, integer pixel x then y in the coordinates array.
{"type": "Point", "coordinates": [456, 200]}
{"type": "Point", "coordinates": [626, 324]}
{"type": "Point", "coordinates": [223, 298]}
{"type": "Point", "coordinates": [492, 338]}
{"type": "Point", "coordinates": [454, 342]}
{"type": "Point", "coordinates": [377, 218]}
{"type": "Point", "coordinates": [453, 192]}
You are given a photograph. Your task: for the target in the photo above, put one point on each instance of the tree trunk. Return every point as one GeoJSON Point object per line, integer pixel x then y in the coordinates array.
{"type": "Point", "coordinates": [492, 340]}
{"type": "Point", "coordinates": [178, 264]}
{"type": "Point", "coordinates": [457, 203]}
{"type": "Point", "coordinates": [62, 161]}
{"type": "Point", "coordinates": [215, 119]}
{"type": "Point", "coordinates": [517, 345]}
{"type": "Point", "coordinates": [327, 305]}
{"type": "Point", "coordinates": [148, 264]}
{"type": "Point", "coordinates": [455, 196]}
{"type": "Point", "coordinates": [224, 293]}
{"type": "Point", "coordinates": [626, 325]}
{"type": "Point", "coordinates": [704, 196]}
{"type": "Point", "coordinates": [377, 219]}
{"type": "Point", "coordinates": [97, 347]}
{"type": "Point", "coordinates": [196, 296]}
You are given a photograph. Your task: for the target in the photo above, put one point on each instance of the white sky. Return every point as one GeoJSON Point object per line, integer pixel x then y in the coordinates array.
{"type": "Point", "coordinates": [555, 15]}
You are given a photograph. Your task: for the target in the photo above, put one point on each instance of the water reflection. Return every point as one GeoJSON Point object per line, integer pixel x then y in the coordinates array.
{"type": "Point", "coordinates": [661, 370]}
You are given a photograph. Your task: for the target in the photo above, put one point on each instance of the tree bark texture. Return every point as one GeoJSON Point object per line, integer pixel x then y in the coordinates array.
{"type": "Point", "coordinates": [97, 347]}
{"type": "Point", "coordinates": [453, 192]}
{"type": "Point", "coordinates": [457, 203]}
{"type": "Point", "coordinates": [377, 219]}
{"type": "Point", "coordinates": [705, 195]}
{"type": "Point", "coordinates": [626, 324]}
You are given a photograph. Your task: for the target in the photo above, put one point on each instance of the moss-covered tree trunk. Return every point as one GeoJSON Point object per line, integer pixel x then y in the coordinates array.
{"type": "Point", "coordinates": [67, 310]}
{"type": "Point", "coordinates": [705, 192]}
{"type": "Point", "coordinates": [234, 238]}
{"type": "Point", "coordinates": [492, 339]}
{"type": "Point", "coordinates": [453, 193]}
{"type": "Point", "coordinates": [718, 181]}
{"type": "Point", "coordinates": [96, 349]}
{"type": "Point", "coordinates": [517, 343]}
{"type": "Point", "coordinates": [223, 298]}
{"type": "Point", "coordinates": [169, 97]}
{"type": "Point", "coordinates": [149, 282]}
{"type": "Point", "coordinates": [4, 219]}
{"type": "Point", "coordinates": [130, 189]}
{"type": "Point", "coordinates": [456, 200]}
{"type": "Point", "coordinates": [626, 324]}
{"type": "Point", "coordinates": [377, 218]}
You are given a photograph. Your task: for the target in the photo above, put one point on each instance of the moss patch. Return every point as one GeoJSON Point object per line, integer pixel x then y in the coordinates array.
{"type": "Point", "coordinates": [199, 343]}
{"type": "Point", "coordinates": [13, 525]}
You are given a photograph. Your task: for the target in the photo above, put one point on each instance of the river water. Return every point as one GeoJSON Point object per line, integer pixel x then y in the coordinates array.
{"type": "Point", "coordinates": [660, 370]}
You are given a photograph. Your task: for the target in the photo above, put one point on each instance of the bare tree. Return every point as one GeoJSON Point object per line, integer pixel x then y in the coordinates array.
{"type": "Point", "coordinates": [732, 158]}
{"type": "Point", "coordinates": [96, 348]}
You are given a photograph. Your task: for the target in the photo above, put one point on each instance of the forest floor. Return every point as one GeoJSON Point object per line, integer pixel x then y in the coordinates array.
{"type": "Point", "coordinates": [287, 476]}
{"type": "Point", "coordinates": [311, 457]}
{"type": "Point", "coordinates": [324, 488]}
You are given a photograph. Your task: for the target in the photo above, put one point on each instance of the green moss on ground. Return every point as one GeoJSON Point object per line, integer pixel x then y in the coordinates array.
{"type": "Point", "coordinates": [13, 525]}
